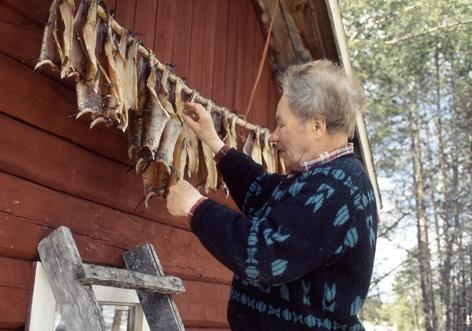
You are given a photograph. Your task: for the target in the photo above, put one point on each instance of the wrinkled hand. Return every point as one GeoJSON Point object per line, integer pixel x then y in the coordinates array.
{"type": "Point", "coordinates": [200, 121]}
{"type": "Point", "coordinates": [181, 198]}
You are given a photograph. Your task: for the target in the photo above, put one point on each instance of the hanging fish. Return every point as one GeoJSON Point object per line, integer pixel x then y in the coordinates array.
{"type": "Point", "coordinates": [256, 151]}
{"type": "Point", "coordinates": [50, 49]}
{"type": "Point", "coordinates": [67, 8]}
{"type": "Point", "coordinates": [211, 180]}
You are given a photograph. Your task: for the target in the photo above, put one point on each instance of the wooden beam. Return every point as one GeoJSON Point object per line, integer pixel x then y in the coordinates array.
{"type": "Point", "coordinates": [92, 274]}
{"type": "Point", "coordinates": [76, 302]}
{"type": "Point", "coordinates": [160, 310]}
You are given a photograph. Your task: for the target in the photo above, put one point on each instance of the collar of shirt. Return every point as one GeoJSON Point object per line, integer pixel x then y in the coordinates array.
{"type": "Point", "coordinates": [324, 157]}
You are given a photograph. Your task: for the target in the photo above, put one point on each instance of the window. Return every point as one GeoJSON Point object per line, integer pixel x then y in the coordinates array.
{"type": "Point", "coordinates": [120, 308]}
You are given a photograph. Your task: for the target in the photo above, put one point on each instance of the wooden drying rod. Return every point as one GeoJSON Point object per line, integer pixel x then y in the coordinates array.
{"type": "Point", "coordinates": [173, 78]}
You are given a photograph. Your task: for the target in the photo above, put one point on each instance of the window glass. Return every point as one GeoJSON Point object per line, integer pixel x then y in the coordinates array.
{"type": "Point", "coordinates": [117, 317]}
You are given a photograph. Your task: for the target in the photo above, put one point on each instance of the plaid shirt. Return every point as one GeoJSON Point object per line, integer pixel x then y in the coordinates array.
{"type": "Point", "coordinates": [328, 156]}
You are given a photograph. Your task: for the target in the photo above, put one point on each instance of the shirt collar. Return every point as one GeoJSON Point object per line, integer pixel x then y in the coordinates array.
{"type": "Point", "coordinates": [326, 157]}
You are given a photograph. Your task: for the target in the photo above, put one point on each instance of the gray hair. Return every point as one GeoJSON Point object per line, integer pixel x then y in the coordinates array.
{"type": "Point", "coordinates": [322, 89]}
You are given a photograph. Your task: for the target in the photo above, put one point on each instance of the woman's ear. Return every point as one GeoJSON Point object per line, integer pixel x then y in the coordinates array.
{"type": "Point", "coordinates": [318, 126]}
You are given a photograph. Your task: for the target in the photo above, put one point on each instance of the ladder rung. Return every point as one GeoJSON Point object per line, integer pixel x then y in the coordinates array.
{"type": "Point", "coordinates": [92, 274]}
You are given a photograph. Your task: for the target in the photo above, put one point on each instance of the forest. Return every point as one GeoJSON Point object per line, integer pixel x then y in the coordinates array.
{"type": "Point", "coordinates": [415, 61]}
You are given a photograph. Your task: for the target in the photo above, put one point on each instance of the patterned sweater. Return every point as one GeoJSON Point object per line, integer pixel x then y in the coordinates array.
{"type": "Point", "coordinates": [302, 252]}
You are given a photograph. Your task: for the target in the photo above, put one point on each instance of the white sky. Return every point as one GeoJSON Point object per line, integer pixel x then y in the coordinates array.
{"type": "Point", "coordinates": [390, 253]}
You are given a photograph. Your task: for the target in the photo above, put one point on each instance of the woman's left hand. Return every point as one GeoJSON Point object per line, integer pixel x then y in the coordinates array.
{"type": "Point", "coordinates": [181, 198]}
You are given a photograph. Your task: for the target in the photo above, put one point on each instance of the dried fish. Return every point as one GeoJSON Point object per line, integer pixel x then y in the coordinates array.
{"type": "Point", "coordinates": [179, 159]}
{"type": "Point", "coordinates": [155, 179]}
{"type": "Point", "coordinates": [78, 52]}
{"type": "Point", "coordinates": [192, 149]}
{"type": "Point", "coordinates": [155, 118]}
{"type": "Point", "coordinates": [249, 143]}
{"type": "Point", "coordinates": [67, 9]}
{"type": "Point", "coordinates": [115, 98]}
{"type": "Point", "coordinates": [131, 74]}
{"type": "Point", "coordinates": [88, 101]}
{"type": "Point", "coordinates": [49, 49]}
{"type": "Point", "coordinates": [256, 151]}
{"type": "Point", "coordinates": [268, 153]}
{"type": "Point", "coordinates": [90, 36]}
{"type": "Point", "coordinates": [165, 152]}
{"type": "Point", "coordinates": [135, 126]}
{"type": "Point", "coordinates": [233, 137]}
{"type": "Point", "coordinates": [211, 180]}
{"type": "Point", "coordinates": [182, 148]}
{"type": "Point", "coordinates": [121, 110]}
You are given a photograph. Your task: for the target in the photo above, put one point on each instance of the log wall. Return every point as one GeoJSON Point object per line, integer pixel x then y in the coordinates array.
{"type": "Point", "coordinates": [55, 171]}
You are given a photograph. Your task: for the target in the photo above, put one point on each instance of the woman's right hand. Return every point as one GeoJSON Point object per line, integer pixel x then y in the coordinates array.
{"type": "Point", "coordinates": [199, 120]}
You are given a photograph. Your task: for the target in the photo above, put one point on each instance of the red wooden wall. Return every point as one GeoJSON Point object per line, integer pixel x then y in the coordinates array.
{"type": "Point", "coordinates": [55, 171]}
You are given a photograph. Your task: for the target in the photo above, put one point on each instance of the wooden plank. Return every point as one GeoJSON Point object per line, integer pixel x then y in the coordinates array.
{"type": "Point", "coordinates": [221, 48]}
{"type": "Point", "coordinates": [145, 21]}
{"type": "Point", "coordinates": [209, 37]}
{"type": "Point", "coordinates": [242, 48]}
{"type": "Point", "coordinates": [15, 273]}
{"type": "Point", "coordinates": [13, 25]}
{"type": "Point", "coordinates": [76, 302]}
{"type": "Point", "coordinates": [125, 11]}
{"type": "Point", "coordinates": [92, 274]}
{"type": "Point", "coordinates": [28, 212]}
{"type": "Point", "coordinates": [19, 239]}
{"type": "Point", "coordinates": [182, 37]}
{"type": "Point", "coordinates": [160, 310]}
{"type": "Point", "coordinates": [251, 66]}
{"type": "Point", "coordinates": [260, 101]}
{"type": "Point", "coordinates": [164, 31]}
{"type": "Point", "coordinates": [204, 305]}
{"type": "Point", "coordinates": [61, 165]}
{"type": "Point", "coordinates": [231, 49]}
{"type": "Point", "coordinates": [15, 285]}
{"type": "Point", "coordinates": [35, 10]}
{"type": "Point", "coordinates": [9, 298]}
{"type": "Point", "coordinates": [195, 74]}
{"type": "Point", "coordinates": [20, 88]}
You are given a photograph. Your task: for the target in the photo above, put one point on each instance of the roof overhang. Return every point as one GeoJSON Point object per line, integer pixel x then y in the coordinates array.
{"type": "Point", "coordinates": [307, 30]}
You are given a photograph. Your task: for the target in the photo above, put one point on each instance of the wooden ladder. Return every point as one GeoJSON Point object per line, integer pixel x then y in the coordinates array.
{"type": "Point", "coordinates": [71, 283]}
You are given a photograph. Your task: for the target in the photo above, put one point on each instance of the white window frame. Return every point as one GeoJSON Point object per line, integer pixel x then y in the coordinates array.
{"type": "Point", "coordinates": [43, 305]}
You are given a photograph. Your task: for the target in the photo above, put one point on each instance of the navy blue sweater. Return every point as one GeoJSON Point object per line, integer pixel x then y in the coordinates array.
{"type": "Point", "coordinates": [302, 252]}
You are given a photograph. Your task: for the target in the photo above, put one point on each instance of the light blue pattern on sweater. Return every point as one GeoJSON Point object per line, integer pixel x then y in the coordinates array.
{"type": "Point", "coordinates": [270, 236]}
{"type": "Point", "coordinates": [350, 184]}
{"type": "Point", "coordinates": [351, 238]}
{"type": "Point", "coordinates": [328, 297]}
{"type": "Point", "coordinates": [341, 216]}
{"type": "Point", "coordinates": [338, 174]}
{"type": "Point", "coordinates": [295, 188]}
{"type": "Point", "coordinates": [284, 292]}
{"type": "Point", "coordinates": [255, 189]}
{"type": "Point", "coordinates": [370, 227]}
{"type": "Point", "coordinates": [278, 267]}
{"type": "Point", "coordinates": [324, 191]}
{"type": "Point", "coordinates": [306, 286]}
{"type": "Point", "coordinates": [356, 306]}
{"type": "Point", "coordinates": [361, 201]}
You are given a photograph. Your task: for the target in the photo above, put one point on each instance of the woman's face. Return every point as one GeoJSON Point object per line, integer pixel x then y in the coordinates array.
{"type": "Point", "coordinates": [292, 135]}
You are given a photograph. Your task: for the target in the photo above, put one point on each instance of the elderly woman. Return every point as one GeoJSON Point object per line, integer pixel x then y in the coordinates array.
{"type": "Point", "coordinates": [302, 250]}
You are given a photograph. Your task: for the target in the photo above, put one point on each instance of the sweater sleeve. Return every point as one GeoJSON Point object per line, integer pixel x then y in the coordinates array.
{"type": "Point", "coordinates": [249, 185]}
{"type": "Point", "coordinates": [308, 228]}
